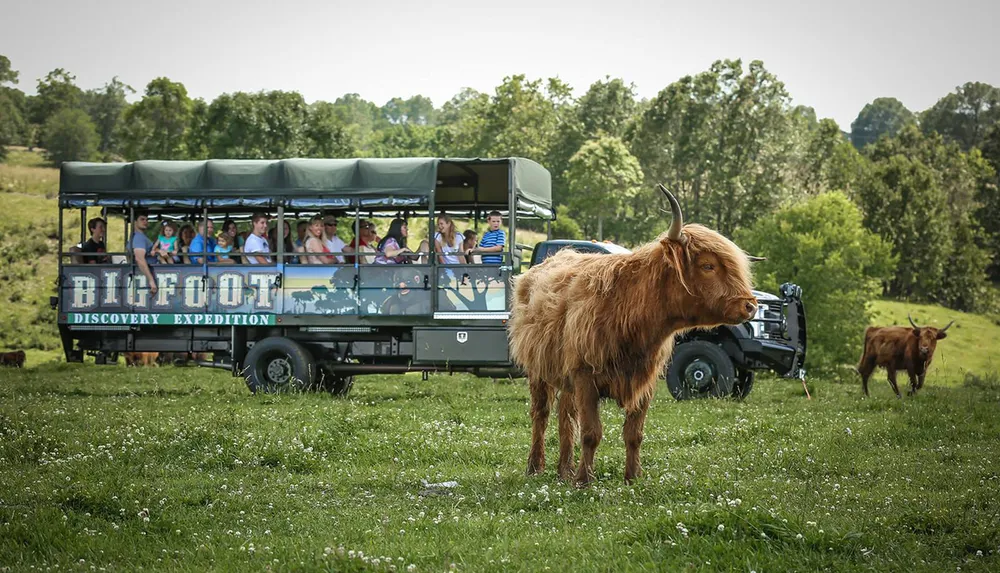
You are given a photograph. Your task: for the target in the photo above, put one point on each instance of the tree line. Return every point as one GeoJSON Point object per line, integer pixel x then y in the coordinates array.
{"type": "Point", "coordinates": [728, 142]}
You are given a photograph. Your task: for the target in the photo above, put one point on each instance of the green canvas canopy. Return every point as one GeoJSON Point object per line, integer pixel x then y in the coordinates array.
{"type": "Point", "coordinates": [456, 183]}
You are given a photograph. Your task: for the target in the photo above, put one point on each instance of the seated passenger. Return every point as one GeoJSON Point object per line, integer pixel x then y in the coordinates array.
{"type": "Point", "coordinates": [469, 244]}
{"type": "Point", "coordinates": [364, 238]}
{"type": "Point", "coordinates": [166, 243]}
{"type": "Point", "coordinates": [256, 248]}
{"type": "Point", "coordinates": [184, 245]}
{"type": "Point", "coordinates": [223, 247]}
{"type": "Point", "coordinates": [203, 242]}
{"type": "Point", "coordinates": [95, 244]}
{"type": "Point", "coordinates": [315, 244]}
{"type": "Point", "coordinates": [448, 242]}
{"type": "Point", "coordinates": [392, 248]}
{"type": "Point", "coordinates": [334, 244]}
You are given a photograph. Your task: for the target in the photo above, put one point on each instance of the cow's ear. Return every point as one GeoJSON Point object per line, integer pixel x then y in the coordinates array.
{"type": "Point", "coordinates": [942, 335]}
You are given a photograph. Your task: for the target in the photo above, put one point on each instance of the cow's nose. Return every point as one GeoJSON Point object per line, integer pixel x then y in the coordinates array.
{"type": "Point", "coordinates": [751, 308]}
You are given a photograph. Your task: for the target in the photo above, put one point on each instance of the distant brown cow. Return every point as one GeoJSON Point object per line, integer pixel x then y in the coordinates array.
{"type": "Point", "coordinates": [592, 326]}
{"type": "Point", "coordinates": [900, 348]}
{"type": "Point", "coordinates": [15, 359]}
{"type": "Point", "coordinates": [141, 358]}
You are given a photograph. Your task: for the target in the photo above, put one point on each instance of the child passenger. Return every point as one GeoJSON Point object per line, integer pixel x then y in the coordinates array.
{"type": "Point", "coordinates": [166, 243]}
{"type": "Point", "coordinates": [223, 247]}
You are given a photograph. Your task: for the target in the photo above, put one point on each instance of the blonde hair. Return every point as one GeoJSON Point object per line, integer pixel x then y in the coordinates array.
{"type": "Point", "coordinates": [449, 234]}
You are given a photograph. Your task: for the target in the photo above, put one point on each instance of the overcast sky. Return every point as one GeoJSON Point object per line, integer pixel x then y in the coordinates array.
{"type": "Point", "coordinates": [834, 56]}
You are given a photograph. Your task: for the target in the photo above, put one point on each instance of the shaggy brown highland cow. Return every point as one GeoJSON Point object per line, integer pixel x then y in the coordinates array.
{"type": "Point", "coordinates": [592, 326]}
{"type": "Point", "coordinates": [900, 348]}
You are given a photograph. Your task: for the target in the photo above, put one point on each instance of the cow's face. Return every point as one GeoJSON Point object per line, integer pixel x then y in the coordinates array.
{"type": "Point", "coordinates": [718, 273]}
{"type": "Point", "coordinates": [927, 337]}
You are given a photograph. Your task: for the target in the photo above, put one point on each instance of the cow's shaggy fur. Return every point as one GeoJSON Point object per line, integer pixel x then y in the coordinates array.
{"type": "Point", "coordinates": [591, 326]}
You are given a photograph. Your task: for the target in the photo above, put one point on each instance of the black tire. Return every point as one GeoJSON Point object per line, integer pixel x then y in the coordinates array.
{"type": "Point", "coordinates": [743, 384]}
{"type": "Point", "coordinates": [700, 369]}
{"type": "Point", "coordinates": [336, 384]}
{"type": "Point", "coordinates": [278, 364]}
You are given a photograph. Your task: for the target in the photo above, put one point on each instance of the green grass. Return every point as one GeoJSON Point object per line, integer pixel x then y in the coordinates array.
{"type": "Point", "coordinates": [232, 481]}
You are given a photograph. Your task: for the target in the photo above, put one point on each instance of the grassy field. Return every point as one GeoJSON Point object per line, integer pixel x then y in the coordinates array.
{"type": "Point", "coordinates": [121, 469]}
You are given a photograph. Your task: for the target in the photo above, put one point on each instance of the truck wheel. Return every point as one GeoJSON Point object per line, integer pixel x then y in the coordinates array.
{"type": "Point", "coordinates": [278, 364]}
{"type": "Point", "coordinates": [700, 369]}
{"type": "Point", "coordinates": [743, 384]}
{"type": "Point", "coordinates": [336, 384]}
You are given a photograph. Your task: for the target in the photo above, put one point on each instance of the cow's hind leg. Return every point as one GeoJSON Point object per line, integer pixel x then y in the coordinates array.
{"type": "Point", "coordinates": [632, 433]}
{"type": "Point", "coordinates": [541, 400]}
{"type": "Point", "coordinates": [567, 433]}
{"type": "Point", "coordinates": [591, 432]}
{"type": "Point", "coordinates": [891, 374]}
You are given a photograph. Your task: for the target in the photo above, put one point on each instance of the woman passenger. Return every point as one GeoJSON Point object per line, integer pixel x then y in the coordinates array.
{"type": "Point", "coordinates": [316, 243]}
{"type": "Point", "coordinates": [392, 248]}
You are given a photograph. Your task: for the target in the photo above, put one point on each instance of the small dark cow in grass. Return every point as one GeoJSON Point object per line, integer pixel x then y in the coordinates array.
{"type": "Point", "coordinates": [14, 359]}
{"type": "Point", "coordinates": [900, 348]}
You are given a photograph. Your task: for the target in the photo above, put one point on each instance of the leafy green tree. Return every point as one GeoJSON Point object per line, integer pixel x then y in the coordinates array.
{"type": "Point", "coordinates": [965, 115]}
{"type": "Point", "coordinates": [11, 107]}
{"type": "Point", "coordinates": [70, 136]}
{"type": "Point", "coordinates": [922, 198]}
{"type": "Point", "coordinates": [7, 73]}
{"type": "Point", "coordinates": [521, 119]}
{"type": "Point", "coordinates": [463, 121]}
{"type": "Point", "coordinates": [261, 125]}
{"type": "Point", "coordinates": [361, 118]}
{"type": "Point", "coordinates": [721, 141]}
{"type": "Point", "coordinates": [57, 91]}
{"type": "Point", "coordinates": [602, 176]}
{"type": "Point", "coordinates": [821, 245]}
{"type": "Point", "coordinates": [988, 200]}
{"type": "Point", "coordinates": [156, 127]}
{"type": "Point", "coordinates": [565, 226]}
{"type": "Point", "coordinates": [106, 107]}
{"type": "Point", "coordinates": [883, 116]}
{"type": "Point", "coordinates": [325, 133]}
{"type": "Point", "coordinates": [197, 139]}
{"type": "Point", "coordinates": [405, 140]}
{"type": "Point", "coordinates": [417, 110]}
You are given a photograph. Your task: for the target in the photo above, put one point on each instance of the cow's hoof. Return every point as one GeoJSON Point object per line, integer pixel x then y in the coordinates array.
{"type": "Point", "coordinates": [535, 468]}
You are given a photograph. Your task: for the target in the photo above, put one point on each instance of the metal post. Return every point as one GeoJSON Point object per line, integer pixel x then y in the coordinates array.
{"type": "Point", "coordinates": [279, 234]}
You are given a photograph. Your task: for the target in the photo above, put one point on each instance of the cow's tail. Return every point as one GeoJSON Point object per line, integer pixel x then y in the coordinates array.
{"type": "Point", "coordinates": [864, 347]}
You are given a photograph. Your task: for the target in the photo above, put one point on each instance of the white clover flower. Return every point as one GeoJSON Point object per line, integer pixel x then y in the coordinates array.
{"type": "Point", "coordinates": [721, 527]}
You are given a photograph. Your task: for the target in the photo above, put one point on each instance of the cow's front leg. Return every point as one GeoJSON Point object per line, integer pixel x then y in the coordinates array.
{"type": "Point", "coordinates": [632, 434]}
{"type": "Point", "coordinates": [891, 375]}
{"type": "Point", "coordinates": [913, 384]}
{"type": "Point", "coordinates": [587, 399]}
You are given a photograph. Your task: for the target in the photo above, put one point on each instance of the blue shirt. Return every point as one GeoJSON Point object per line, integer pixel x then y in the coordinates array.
{"type": "Point", "coordinates": [198, 245]}
{"type": "Point", "coordinates": [493, 239]}
{"type": "Point", "coordinates": [141, 241]}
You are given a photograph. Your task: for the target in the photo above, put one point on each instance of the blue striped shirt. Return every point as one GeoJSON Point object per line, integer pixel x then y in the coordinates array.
{"type": "Point", "coordinates": [492, 239]}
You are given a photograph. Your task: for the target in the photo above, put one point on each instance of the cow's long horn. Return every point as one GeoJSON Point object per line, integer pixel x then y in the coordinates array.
{"type": "Point", "coordinates": [674, 233]}
{"type": "Point", "coordinates": [947, 327]}
{"type": "Point", "coordinates": [911, 321]}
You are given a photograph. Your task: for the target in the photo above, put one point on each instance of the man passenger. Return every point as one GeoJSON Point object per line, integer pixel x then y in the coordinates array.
{"type": "Point", "coordinates": [257, 241]}
{"type": "Point", "coordinates": [203, 242]}
{"type": "Point", "coordinates": [142, 249]}
{"type": "Point", "coordinates": [333, 243]}
{"type": "Point", "coordinates": [95, 244]}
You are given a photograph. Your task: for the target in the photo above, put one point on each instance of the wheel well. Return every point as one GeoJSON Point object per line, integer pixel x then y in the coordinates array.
{"type": "Point", "coordinates": [723, 337]}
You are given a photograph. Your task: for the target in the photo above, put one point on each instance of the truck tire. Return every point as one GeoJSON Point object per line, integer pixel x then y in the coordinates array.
{"type": "Point", "coordinates": [279, 364]}
{"type": "Point", "coordinates": [743, 384]}
{"type": "Point", "coordinates": [334, 383]}
{"type": "Point", "coordinates": [700, 369]}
